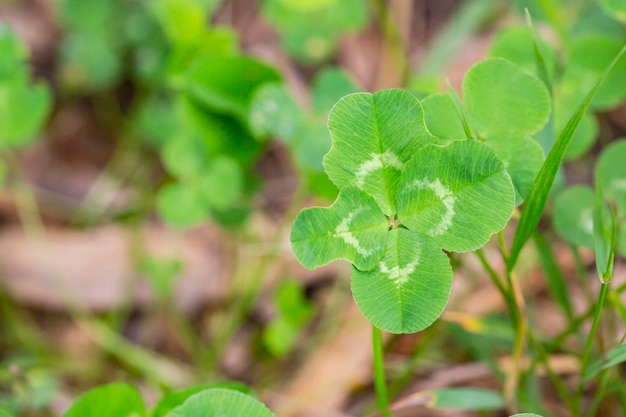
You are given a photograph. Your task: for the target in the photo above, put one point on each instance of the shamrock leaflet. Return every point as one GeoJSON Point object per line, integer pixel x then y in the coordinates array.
{"type": "Point", "coordinates": [504, 107]}
{"type": "Point", "coordinates": [403, 198]}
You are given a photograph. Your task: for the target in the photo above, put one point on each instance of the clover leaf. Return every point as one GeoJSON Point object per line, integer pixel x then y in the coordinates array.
{"type": "Point", "coordinates": [402, 200]}
{"type": "Point", "coordinates": [373, 136]}
{"type": "Point", "coordinates": [218, 402]}
{"type": "Point", "coordinates": [459, 195]}
{"type": "Point", "coordinates": [116, 399]}
{"type": "Point", "coordinates": [353, 228]}
{"type": "Point", "coordinates": [521, 155]}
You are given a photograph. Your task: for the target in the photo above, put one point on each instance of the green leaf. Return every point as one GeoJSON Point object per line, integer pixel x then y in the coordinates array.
{"type": "Point", "coordinates": [174, 399]}
{"type": "Point", "coordinates": [353, 228]}
{"type": "Point", "coordinates": [588, 56]}
{"type": "Point", "coordinates": [465, 399]}
{"type": "Point", "coordinates": [328, 87]}
{"type": "Point", "coordinates": [615, 7]}
{"type": "Point", "coordinates": [220, 402]}
{"type": "Point", "coordinates": [280, 336]}
{"type": "Point", "coordinates": [4, 413]}
{"type": "Point", "coordinates": [221, 183]}
{"type": "Point", "coordinates": [605, 236]}
{"type": "Point", "coordinates": [91, 61]}
{"type": "Point", "coordinates": [23, 111]}
{"type": "Point", "coordinates": [516, 45]}
{"type": "Point", "coordinates": [292, 303]}
{"type": "Point", "coordinates": [312, 142]}
{"type": "Point", "coordinates": [185, 156]}
{"type": "Point", "coordinates": [504, 100]}
{"type": "Point", "coordinates": [117, 399]}
{"type": "Point", "coordinates": [573, 215]}
{"type": "Point", "coordinates": [274, 112]}
{"type": "Point", "coordinates": [536, 200]}
{"type": "Point", "coordinates": [613, 357]}
{"type": "Point", "coordinates": [373, 137]}
{"type": "Point", "coordinates": [13, 58]}
{"type": "Point", "coordinates": [585, 134]}
{"type": "Point", "coordinates": [459, 195]}
{"type": "Point", "coordinates": [309, 33]}
{"type": "Point", "coordinates": [522, 158]}
{"type": "Point", "coordinates": [226, 84]}
{"type": "Point", "coordinates": [181, 205]}
{"type": "Point", "coordinates": [409, 288]}
{"type": "Point", "coordinates": [442, 118]}
{"type": "Point", "coordinates": [222, 134]}
{"type": "Point", "coordinates": [611, 174]}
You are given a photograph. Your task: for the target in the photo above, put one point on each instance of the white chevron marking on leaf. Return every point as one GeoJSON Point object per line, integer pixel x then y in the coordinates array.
{"type": "Point", "coordinates": [378, 161]}
{"type": "Point", "coordinates": [400, 275]}
{"type": "Point", "coordinates": [447, 198]}
{"type": "Point", "coordinates": [343, 231]}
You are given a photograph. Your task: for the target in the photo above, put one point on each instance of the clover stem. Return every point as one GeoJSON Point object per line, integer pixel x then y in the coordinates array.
{"type": "Point", "coordinates": [516, 310]}
{"type": "Point", "coordinates": [590, 339]}
{"type": "Point", "coordinates": [380, 384]}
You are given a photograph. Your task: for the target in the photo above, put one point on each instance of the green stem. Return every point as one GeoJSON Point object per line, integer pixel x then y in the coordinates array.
{"type": "Point", "coordinates": [557, 382]}
{"type": "Point", "coordinates": [590, 339]}
{"type": "Point", "coordinates": [382, 397]}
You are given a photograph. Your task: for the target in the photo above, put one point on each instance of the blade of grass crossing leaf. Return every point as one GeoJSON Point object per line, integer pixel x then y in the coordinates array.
{"type": "Point", "coordinates": [605, 229]}
{"type": "Point", "coordinates": [542, 69]}
{"type": "Point", "coordinates": [460, 112]}
{"type": "Point", "coordinates": [554, 275]}
{"type": "Point", "coordinates": [538, 195]}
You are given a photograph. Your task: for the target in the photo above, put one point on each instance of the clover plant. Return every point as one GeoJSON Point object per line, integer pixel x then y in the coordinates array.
{"type": "Point", "coordinates": [404, 197]}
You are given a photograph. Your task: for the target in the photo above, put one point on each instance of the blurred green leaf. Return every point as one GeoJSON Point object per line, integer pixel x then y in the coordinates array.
{"type": "Point", "coordinates": [611, 174]}
{"type": "Point", "coordinates": [516, 45]}
{"type": "Point", "coordinates": [117, 399]}
{"type": "Point", "coordinates": [226, 84]}
{"type": "Point", "coordinates": [588, 56]}
{"type": "Point", "coordinates": [273, 111]}
{"type": "Point", "coordinates": [611, 358]}
{"type": "Point", "coordinates": [180, 205]}
{"type": "Point", "coordinates": [309, 30]}
{"type": "Point", "coordinates": [23, 111]}
{"type": "Point", "coordinates": [328, 87]}
{"type": "Point", "coordinates": [573, 215]}
{"type": "Point", "coordinates": [13, 57]}
{"type": "Point", "coordinates": [174, 399]}
{"type": "Point", "coordinates": [605, 229]}
{"type": "Point", "coordinates": [617, 8]}
{"type": "Point", "coordinates": [220, 402]}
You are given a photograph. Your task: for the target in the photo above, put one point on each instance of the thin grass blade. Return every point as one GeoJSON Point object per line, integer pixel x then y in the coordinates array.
{"type": "Point", "coordinates": [538, 195]}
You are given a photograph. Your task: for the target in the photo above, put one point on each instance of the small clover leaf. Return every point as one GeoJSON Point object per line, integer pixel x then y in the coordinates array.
{"type": "Point", "coordinates": [409, 288]}
{"type": "Point", "coordinates": [611, 174]}
{"type": "Point", "coordinates": [504, 100]}
{"type": "Point", "coordinates": [459, 195]}
{"type": "Point", "coordinates": [573, 215]}
{"type": "Point", "coordinates": [352, 228]}
{"type": "Point", "coordinates": [503, 125]}
{"type": "Point", "coordinates": [373, 136]}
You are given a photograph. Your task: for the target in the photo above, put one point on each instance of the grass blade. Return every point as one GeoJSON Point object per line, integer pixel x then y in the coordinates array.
{"type": "Point", "coordinates": [538, 195]}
